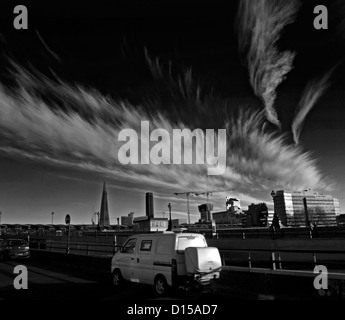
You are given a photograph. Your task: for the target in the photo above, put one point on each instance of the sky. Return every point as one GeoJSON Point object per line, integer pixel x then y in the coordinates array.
{"type": "Point", "coordinates": [81, 73]}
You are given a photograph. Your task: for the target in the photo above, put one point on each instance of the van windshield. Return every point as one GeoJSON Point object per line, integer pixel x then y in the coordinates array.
{"type": "Point", "coordinates": [190, 241]}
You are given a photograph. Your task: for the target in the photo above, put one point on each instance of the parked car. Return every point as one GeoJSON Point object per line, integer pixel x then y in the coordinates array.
{"type": "Point", "coordinates": [166, 260]}
{"type": "Point", "coordinates": [14, 249]}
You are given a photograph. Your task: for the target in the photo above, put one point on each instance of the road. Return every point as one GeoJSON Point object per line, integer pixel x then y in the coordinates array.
{"type": "Point", "coordinates": [52, 281]}
{"type": "Point", "coordinates": [46, 281]}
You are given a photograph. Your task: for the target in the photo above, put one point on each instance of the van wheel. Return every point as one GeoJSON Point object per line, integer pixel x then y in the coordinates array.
{"type": "Point", "coordinates": [161, 285]}
{"type": "Point", "coordinates": [117, 279]}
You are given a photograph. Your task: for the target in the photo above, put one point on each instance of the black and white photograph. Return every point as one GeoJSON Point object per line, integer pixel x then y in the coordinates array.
{"type": "Point", "coordinates": [190, 152]}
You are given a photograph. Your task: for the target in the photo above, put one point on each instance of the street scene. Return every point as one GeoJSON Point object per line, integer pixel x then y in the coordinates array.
{"type": "Point", "coordinates": [172, 152]}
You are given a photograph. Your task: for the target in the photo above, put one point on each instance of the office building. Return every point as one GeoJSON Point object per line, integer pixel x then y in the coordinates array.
{"type": "Point", "coordinates": [299, 208]}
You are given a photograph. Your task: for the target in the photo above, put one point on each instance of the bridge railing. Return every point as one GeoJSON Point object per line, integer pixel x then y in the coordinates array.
{"type": "Point", "coordinates": [283, 259]}
{"type": "Point", "coordinates": [76, 247]}
{"type": "Point", "coordinates": [253, 258]}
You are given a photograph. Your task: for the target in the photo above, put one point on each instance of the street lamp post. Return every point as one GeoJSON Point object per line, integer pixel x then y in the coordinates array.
{"type": "Point", "coordinates": [307, 222]}
{"type": "Point", "coordinates": [170, 222]}
{"type": "Point", "coordinates": [68, 223]}
{"type": "Point", "coordinates": [53, 217]}
{"type": "Point", "coordinates": [275, 217]}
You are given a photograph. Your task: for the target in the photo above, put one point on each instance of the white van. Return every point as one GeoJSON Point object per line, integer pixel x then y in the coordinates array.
{"type": "Point", "coordinates": [166, 260]}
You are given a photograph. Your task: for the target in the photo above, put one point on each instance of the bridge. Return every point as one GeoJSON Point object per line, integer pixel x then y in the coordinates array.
{"type": "Point", "coordinates": [255, 266]}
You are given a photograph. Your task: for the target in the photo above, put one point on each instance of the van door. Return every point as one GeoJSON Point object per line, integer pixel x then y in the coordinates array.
{"type": "Point", "coordinates": [127, 260]}
{"type": "Point", "coordinates": [144, 260]}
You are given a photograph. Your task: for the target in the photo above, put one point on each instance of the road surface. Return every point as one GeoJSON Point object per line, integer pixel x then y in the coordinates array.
{"type": "Point", "coordinates": [46, 281]}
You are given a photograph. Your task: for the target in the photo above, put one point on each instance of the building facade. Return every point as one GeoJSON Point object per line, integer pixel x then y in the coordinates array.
{"type": "Point", "coordinates": [257, 215]}
{"type": "Point", "coordinates": [147, 224]}
{"type": "Point", "coordinates": [127, 220]}
{"type": "Point", "coordinates": [205, 212]}
{"type": "Point", "coordinates": [301, 208]}
{"type": "Point", "coordinates": [233, 205]}
{"type": "Point", "coordinates": [233, 214]}
{"type": "Point", "coordinates": [226, 217]}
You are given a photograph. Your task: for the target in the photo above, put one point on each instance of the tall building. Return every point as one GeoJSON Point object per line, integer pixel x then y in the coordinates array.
{"type": "Point", "coordinates": [149, 205]}
{"type": "Point", "coordinates": [104, 213]}
{"type": "Point", "coordinates": [320, 209]}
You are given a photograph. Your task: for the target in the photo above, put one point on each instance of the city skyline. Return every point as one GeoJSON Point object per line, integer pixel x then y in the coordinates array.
{"type": "Point", "coordinates": [81, 73]}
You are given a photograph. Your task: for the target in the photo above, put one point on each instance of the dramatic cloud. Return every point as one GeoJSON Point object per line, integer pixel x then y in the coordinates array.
{"type": "Point", "coordinates": [74, 127]}
{"type": "Point", "coordinates": [260, 24]}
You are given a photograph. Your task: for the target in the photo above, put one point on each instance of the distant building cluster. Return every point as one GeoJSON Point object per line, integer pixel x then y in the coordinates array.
{"type": "Point", "coordinates": [149, 223]}
{"type": "Point", "coordinates": [292, 209]}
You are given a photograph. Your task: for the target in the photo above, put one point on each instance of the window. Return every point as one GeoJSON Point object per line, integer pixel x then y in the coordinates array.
{"type": "Point", "coordinates": [129, 247]}
{"type": "Point", "coordinates": [146, 245]}
{"type": "Point", "coordinates": [189, 241]}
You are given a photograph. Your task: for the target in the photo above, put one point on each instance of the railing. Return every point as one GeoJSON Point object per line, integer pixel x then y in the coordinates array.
{"type": "Point", "coordinates": [100, 249]}
{"type": "Point", "coordinates": [274, 259]}
{"type": "Point", "coordinates": [252, 258]}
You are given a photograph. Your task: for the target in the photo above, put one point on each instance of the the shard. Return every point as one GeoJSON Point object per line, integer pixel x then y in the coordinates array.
{"type": "Point", "coordinates": [104, 213]}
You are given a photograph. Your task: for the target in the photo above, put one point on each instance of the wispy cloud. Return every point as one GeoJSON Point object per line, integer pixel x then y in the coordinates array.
{"type": "Point", "coordinates": [69, 126]}
{"type": "Point", "coordinates": [260, 24]}
{"type": "Point", "coordinates": [313, 91]}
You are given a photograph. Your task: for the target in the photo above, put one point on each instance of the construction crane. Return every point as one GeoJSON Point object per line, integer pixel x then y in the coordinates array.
{"type": "Point", "coordinates": [187, 195]}
{"type": "Point", "coordinates": [208, 193]}
{"type": "Point", "coordinates": [197, 193]}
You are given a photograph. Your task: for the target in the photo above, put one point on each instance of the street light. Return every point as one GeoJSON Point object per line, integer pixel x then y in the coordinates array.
{"type": "Point", "coordinates": [53, 217]}
{"type": "Point", "coordinates": [170, 222]}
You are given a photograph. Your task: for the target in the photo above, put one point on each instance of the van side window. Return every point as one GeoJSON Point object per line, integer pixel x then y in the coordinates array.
{"type": "Point", "coordinates": [146, 245]}
{"type": "Point", "coordinates": [129, 246]}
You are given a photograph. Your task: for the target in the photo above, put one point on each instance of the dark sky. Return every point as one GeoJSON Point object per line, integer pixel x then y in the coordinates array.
{"type": "Point", "coordinates": [101, 45]}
